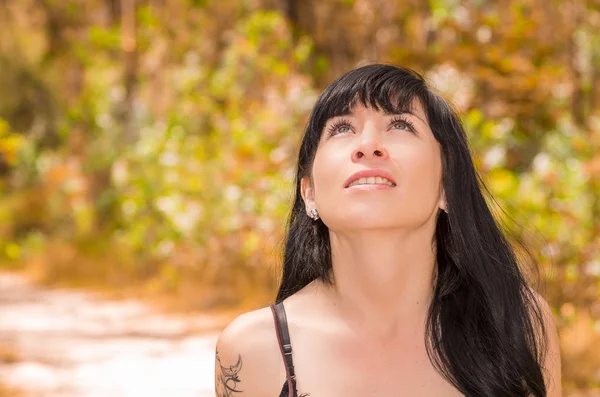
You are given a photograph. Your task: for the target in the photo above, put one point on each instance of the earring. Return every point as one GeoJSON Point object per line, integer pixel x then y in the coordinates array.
{"type": "Point", "coordinates": [314, 214]}
{"type": "Point", "coordinates": [445, 210]}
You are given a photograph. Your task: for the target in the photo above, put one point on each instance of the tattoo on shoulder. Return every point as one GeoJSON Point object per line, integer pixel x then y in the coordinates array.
{"type": "Point", "coordinates": [228, 378]}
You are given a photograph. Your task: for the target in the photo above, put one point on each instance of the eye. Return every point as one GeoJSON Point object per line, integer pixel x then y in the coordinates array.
{"type": "Point", "coordinates": [402, 123]}
{"type": "Point", "coordinates": [339, 127]}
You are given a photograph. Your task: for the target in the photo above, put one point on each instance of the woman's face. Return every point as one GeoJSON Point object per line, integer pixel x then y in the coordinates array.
{"type": "Point", "coordinates": [400, 147]}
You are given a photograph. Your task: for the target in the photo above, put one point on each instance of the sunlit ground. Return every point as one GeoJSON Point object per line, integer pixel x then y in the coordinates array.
{"type": "Point", "coordinates": [73, 344]}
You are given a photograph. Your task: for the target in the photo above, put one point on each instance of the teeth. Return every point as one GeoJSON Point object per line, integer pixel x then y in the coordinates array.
{"type": "Point", "coordinates": [372, 180]}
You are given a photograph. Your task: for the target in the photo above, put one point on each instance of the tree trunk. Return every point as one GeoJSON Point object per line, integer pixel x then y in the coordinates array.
{"type": "Point", "coordinates": [129, 43]}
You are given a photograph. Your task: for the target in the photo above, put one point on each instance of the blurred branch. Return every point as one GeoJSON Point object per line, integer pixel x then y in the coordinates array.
{"type": "Point", "coordinates": [114, 8]}
{"type": "Point", "coordinates": [290, 8]}
{"type": "Point", "coordinates": [595, 85]}
{"type": "Point", "coordinates": [129, 43]}
{"type": "Point", "coordinates": [577, 97]}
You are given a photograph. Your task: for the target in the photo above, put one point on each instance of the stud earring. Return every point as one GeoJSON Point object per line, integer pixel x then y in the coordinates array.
{"type": "Point", "coordinates": [314, 214]}
{"type": "Point", "coordinates": [445, 210]}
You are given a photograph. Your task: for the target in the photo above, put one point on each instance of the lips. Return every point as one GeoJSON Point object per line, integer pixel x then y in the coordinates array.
{"type": "Point", "coordinates": [369, 173]}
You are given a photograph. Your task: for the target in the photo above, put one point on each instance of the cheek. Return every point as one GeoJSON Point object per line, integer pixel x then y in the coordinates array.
{"type": "Point", "coordinates": [420, 172]}
{"type": "Point", "coordinates": [327, 172]}
{"type": "Point", "coordinates": [421, 164]}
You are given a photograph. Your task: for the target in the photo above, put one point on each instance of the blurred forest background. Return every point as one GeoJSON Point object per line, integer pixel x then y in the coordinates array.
{"type": "Point", "coordinates": [148, 146]}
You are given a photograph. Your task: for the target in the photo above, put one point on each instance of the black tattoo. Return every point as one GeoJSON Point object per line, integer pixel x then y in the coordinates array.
{"type": "Point", "coordinates": [227, 378]}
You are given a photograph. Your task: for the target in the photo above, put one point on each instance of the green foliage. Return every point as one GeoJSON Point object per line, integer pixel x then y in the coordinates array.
{"type": "Point", "coordinates": [207, 170]}
{"type": "Point", "coordinates": [10, 143]}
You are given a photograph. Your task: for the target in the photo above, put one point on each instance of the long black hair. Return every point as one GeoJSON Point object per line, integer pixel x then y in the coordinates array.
{"type": "Point", "coordinates": [485, 331]}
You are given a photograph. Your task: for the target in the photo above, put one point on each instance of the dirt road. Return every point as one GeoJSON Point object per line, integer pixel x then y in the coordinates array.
{"type": "Point", "coordinates": [75, 344]}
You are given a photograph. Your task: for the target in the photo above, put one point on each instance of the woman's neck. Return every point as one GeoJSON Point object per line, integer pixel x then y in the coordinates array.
{"type": "Point", "coordinates": [382, 278]}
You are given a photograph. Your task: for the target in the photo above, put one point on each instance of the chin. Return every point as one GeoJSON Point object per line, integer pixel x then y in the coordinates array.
{"type": "Point", "coordinates": [362, 222]}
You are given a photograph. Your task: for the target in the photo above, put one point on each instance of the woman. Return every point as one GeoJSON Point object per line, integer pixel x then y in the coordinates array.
{"type": "Point", "coordinates": [397, 281]}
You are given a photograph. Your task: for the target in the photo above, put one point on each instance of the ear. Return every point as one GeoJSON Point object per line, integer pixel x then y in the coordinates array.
{"type": "Point", "coordinates": [308, 194]}
{"type": "Point", "coordinates": [442, 204]}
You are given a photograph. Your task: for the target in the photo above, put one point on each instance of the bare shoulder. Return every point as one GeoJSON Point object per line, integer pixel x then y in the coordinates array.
{"type": "Point", "coordinates": [248, 358]}
{"type": "Point", "coordinates": [552, 363]}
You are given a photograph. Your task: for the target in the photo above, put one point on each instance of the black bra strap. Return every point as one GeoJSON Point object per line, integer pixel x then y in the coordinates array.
{"type": "Point", "coordinates": [283, 336]}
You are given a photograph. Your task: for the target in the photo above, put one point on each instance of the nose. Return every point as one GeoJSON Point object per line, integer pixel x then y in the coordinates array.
{"type": "Point", "coordinates": [370, 148]}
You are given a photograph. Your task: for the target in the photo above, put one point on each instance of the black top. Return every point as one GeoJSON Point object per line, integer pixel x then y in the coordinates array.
{"type": "Point", "coordinates": [283, 338]}
{"type": "Point", "coordinates": [285, 391]}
